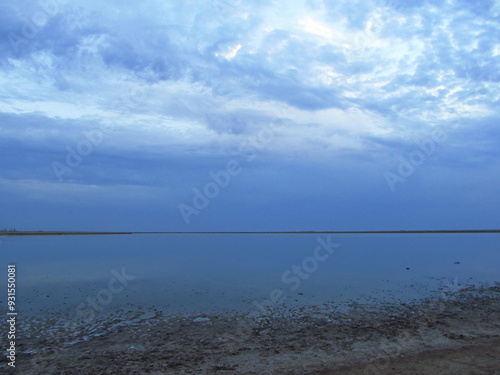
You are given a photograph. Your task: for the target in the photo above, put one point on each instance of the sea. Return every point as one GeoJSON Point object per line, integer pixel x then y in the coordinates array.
{"type": "Point", "coordinates": [225, 273]}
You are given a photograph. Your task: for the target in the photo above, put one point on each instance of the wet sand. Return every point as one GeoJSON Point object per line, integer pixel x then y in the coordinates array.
{"type": "Point", "coordinates": [459, 334]}
{"type": "Point", "coordinates": [474, 357]}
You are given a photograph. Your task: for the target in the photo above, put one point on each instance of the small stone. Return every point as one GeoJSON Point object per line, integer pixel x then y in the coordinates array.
{"type": "Point", "coordinates": [199, 320]}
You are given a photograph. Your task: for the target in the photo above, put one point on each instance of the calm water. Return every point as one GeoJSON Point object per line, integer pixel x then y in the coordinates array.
{"type": "Point", "coordinates": [208, 273]}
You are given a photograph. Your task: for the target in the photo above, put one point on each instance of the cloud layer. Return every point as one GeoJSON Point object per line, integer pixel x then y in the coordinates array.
{"type": "Point", "coordinates": [172, 91]}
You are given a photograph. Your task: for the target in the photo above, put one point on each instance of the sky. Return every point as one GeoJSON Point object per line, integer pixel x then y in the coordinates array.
{"type": "Point", "coordinates": [249, 115]}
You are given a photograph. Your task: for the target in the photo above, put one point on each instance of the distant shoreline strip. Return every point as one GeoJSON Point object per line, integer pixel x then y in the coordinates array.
{"type": "Point", "coordinates": [56, 233]}
{"type": "Point", "coordinates": [72, 233]}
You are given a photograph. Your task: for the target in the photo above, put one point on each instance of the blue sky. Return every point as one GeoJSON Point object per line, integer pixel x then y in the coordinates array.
{"type": "Point", "coordinates": [341, 115]}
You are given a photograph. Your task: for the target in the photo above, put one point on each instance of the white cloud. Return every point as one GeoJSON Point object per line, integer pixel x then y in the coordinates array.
{"type": "Point", "coordinates": [315, 27]}
{"type": "Point", "coordinates": [230, 53]}
{"type": "Point", "coordinates": [153, 71]}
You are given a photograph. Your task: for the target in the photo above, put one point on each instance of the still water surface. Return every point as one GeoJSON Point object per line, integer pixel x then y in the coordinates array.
{"type": "Point", "coordinates": [222, 272]}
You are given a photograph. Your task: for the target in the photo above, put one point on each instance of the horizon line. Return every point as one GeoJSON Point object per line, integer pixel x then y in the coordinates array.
{"type": "Point", "coordinates": [55, 233]}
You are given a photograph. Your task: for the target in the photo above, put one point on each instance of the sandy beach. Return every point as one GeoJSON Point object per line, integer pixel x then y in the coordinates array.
{"type": "Point", "coordinates": [459, 334]}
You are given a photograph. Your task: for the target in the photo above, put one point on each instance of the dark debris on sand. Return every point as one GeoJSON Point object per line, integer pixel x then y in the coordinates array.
{"type": "Point", "coordinates": [306, 340]}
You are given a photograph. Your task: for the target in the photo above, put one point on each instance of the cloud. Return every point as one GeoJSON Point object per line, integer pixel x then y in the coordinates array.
{"type": "Point", "coordinates": [178, 87]}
